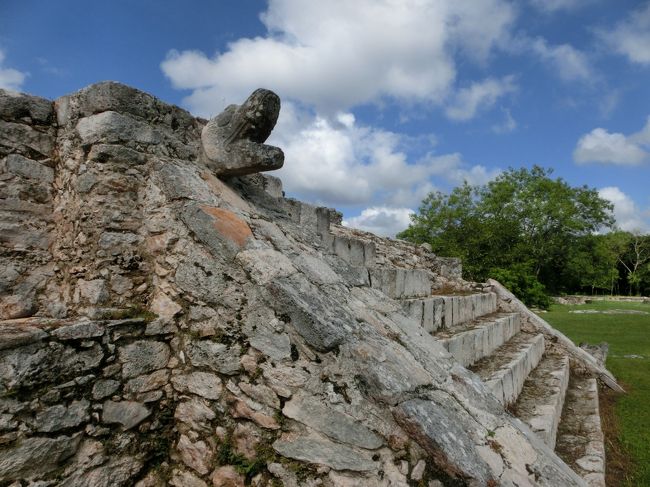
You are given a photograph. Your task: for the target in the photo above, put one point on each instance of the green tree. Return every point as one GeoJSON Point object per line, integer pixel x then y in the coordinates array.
{"type": "Point", "coordinates": [524, 221]}
{"type": "Point", "coordinates": [634, 254]}
{"type": "Point", "coordinates": [592, 264]}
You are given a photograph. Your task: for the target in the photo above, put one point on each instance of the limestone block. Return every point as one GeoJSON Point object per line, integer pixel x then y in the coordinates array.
{"type": "Point", "coordinates": [112, 127]}
{"type": "Point", "coordinates": [203, 384]}
{"type": "Point", "coordinates": [227, 477]}
{"type": "Point", "coordinates": [117, 97]}
{"type": "Point", "coordinates": [336, 425]}
{"type": "Point", "coordinates": [79, 331]}
{"type": "Point", "coordinates": [196, 413]}
{"type": "Point", "coordinates": [17, 106]}
{"type": "Point", "coordinates": [143, 356]}
{"type": "Point", "coordinates": [214, 356]}
{"type": "Point", "coordinates": [118, 471]}
{"type": "Point", "coordinates": [94, 291]}
{"type": "Point", "coordinates": [34, 456]}
{"type": "Point", "coordinates": [185, 479]}
{"type": "Point", "coordinates": [149, 382]}
{"type": "Point", "coordinates": [25, 139]}
{"type": "Point", "coordinates": [400, 283]}
{"type": "Point", "coordinates": [13, 335]}
{"type": "Point", "coordinates": [444, 431]}
{"type": "Point", "coordinates": [221, 230]}
{"type": "Point", "coordinates": [470, 345]}
{"type": "Point", "coordinates": [325, 452]}
{"type": "Point", "coordinates": [28, 168]}
{"type": "Point", "coordinates": [317, 317]}
{"type": "Point", "coordinates": [273, 186]}
{"type": "Point", "coordinates": [116, 154]}
{"type": "Point", "coordinates": [104, 388]}
{"type": "Point", "coordinates": [195, 454]}
{"type": "Point", "coordinates": [59, 417]}
{"type": "Point", "coordinates": [355, 252]}
{"type": "Point", "coordinates": [542, 398]}
{"type": "Point", "coordinates": [127, 413]}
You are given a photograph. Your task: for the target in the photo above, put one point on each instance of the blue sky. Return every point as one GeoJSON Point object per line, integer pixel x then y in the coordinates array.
{"type": "Point", "coordinates": [383, 100]}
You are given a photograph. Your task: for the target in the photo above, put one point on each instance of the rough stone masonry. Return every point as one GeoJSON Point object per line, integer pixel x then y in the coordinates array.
{"type": "Point", "coordinates": [160, 325]}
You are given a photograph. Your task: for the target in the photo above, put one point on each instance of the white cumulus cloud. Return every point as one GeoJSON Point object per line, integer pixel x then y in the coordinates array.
{"type": "Point", "coordinates": [338, 54]}
{"type": "Point", "coordinates": [381, 220]}
{"type": "Point", "coordinates": [10, 79]}
{"type": "Point", "coordinates": [569, 63]}
{"type": "Point", "coordinates": [480, 95]}
{"type": "Point", "coordinates": [605, 147]}
{"type": "Point", "coordinates": [631, 37]}
{"type": "Point", "coordinates": [343, 162]}
{"type": "Point", "coordinates": [627, 214]}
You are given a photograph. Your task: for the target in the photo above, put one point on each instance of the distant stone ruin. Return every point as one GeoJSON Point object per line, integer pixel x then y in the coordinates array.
{"type": "Point", "coordinates": [163, 326]}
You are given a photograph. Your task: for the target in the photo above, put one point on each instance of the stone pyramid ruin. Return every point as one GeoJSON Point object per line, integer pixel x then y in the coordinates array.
{"type": "Point", "coordinates": [168, 317]}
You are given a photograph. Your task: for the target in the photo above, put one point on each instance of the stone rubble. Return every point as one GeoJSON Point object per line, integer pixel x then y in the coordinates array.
{"type": "Point", "coordinates": [161, 326]}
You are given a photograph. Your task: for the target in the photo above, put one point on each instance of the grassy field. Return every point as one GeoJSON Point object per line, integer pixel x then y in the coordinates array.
{"type": "Point", "coordinates": [628, 335]}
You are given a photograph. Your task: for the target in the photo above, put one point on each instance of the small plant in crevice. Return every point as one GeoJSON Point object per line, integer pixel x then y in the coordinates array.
{"type": "Point", "coordinates": [226, 455]}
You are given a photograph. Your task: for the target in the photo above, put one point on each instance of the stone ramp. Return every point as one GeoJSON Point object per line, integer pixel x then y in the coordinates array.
{"type": "Point", "coordinates": [580, 440]}
{"type": "Point", "coordinates": [541, 400]}
{"type": "Point", "coordinates": [505, 371]}
{"type": "Point", "coordinates": [479, 338]}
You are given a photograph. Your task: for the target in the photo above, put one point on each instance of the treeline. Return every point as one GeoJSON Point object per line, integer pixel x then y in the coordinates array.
{"type": "Point", "coordinates": [539, 236]}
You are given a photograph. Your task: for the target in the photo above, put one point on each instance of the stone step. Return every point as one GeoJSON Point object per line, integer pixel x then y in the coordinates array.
{"type": "Point", "coordinates": [505, 371]}
{"type": "Point", "coordinates": [355, 252]}
{"type": "Point", "coordinates": [311, 218]}
{"type": "Point", "coordinates": [580, 440]}
{"type": "Point", "coordinates": [541, 400]}
{"type": "Point", "coordinates": [480, 337]}
{"type": "Point", "coordinates": [426, 311]}
{"type": "Point", "coordinates": [399, 283]}
{"type": "Point", "coordinates": [435, 312]}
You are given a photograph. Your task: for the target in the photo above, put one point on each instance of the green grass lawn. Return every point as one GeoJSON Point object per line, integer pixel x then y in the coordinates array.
{"type": "Point", "coordinates": [626, 335]}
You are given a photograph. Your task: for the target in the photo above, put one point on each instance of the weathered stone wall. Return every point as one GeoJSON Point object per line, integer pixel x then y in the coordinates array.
{"type": "Point", "coordinates": [249, 348]}
{"type": "Point", "coordinates": [111, 139]}
{"type": "Point", "coordinates": [27, 146]}
{"type": "Point", "coordinates": [77, 395]}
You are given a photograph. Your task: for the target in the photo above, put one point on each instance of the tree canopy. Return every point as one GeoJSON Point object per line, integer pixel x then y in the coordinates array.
{"type": "Point", "coordinates": [537, 233]}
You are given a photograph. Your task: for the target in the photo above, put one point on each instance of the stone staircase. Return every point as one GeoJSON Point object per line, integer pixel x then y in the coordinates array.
{"type": "Point", "coordinates": [527, 373]}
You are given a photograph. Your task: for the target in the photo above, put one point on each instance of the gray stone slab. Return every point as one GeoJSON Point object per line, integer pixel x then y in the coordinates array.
{"type": "Point", "coordinates": [400, 283]}
{"type": "Point", "coordinates": [127, 413]}
{"type": "Point", "coordinates": [79, 331]}
{"type": "Point", "coordinates": [111, 127]}
{"type": "Point", "coordinates": [34, 456]}
{"type": "Point", "coordinates": [143, 356]}
{"type": "Point", "coordinates": [28, 168]}
{"type": "Point", "coordinates": [325, 452]}
{"type": "Point", "coordinates": [317, 317]}
{"type": "Point", "coordinates": [442, 428]}
{"type": "Point", "coordinates": [16, 106]}
{"type": "Point", "coordinates": [338, 426]}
